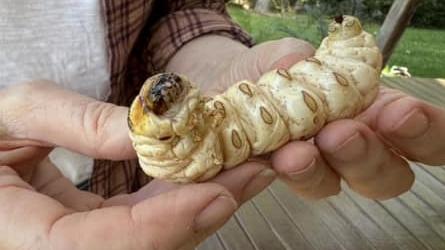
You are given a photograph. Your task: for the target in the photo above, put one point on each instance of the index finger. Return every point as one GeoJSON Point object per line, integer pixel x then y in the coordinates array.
{"type": "Point", "coordinates": [45, 112]}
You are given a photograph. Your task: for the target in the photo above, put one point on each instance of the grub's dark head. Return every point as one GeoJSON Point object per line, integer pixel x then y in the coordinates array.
{"type": "Point", "coordinates": [161, 91]}
{"type": "Point", "coordinates": [344, 27]}
{"type": "Point", "coordinates": [339, 19]}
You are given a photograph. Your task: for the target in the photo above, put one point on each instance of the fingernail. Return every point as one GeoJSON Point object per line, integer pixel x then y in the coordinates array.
{"type": "Point", "coordinates": [412, 125]}
{"type": "Point", "coordinates": [258, 183]}
{"type": "Point", "coordinates": [351, 149]}
{"type": "Point", "coordinates": [304, 173]}
{"type": "Point", "coordinates": [216, 213]}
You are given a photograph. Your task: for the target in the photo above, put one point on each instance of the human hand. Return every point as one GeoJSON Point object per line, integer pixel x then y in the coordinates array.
{"type": "Point", "coordinates": [368, 152]}
{"type": "Point", "coordinates": [37, 115]}
{"type": "Point", "coordinates": [215, 63]}
{"type": "Point", "coordinates": [48, 212]}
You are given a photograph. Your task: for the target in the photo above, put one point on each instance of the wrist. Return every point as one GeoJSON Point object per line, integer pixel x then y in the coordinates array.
{"type": "Point", "coordinates": [206, 57]}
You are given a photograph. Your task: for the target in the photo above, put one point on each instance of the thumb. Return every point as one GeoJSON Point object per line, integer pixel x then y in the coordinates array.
{"type": "Point", "coordinates": [178, 219]}
{"type": "Point", "coordinates": [50, 115]}
{"type": "Point", "coordinates": [182, 218]}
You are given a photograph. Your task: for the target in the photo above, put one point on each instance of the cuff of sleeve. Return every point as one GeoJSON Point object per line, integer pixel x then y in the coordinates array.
{"type": "Point", "coordinates": [175, 30]}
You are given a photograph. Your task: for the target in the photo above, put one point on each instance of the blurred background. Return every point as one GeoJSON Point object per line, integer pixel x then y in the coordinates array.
{"type": "Point", "coordinates": [421, 49]}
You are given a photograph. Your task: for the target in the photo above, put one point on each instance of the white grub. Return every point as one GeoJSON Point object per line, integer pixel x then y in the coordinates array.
{"type": "Point", "coordinates": [191, 138]}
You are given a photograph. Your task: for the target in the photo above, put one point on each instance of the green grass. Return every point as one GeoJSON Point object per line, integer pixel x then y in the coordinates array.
{"type": "Point", "coordinates": [421, 50]}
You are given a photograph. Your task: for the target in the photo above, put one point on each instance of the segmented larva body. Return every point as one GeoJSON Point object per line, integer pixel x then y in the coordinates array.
{"type": "Point", "coordinates": [182, 136]}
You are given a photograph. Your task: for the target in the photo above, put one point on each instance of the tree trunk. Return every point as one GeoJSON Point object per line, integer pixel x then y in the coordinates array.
{"type": "Point", "coordinates": [396, 21]}
{"type": "Point", "coordinates": [284, 6]}
{"type": "Point", "coordinates": [263, 6]}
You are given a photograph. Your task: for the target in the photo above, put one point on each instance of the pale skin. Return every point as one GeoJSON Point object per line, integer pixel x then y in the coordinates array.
{"type": "Point", "coordinates": [43, 210]}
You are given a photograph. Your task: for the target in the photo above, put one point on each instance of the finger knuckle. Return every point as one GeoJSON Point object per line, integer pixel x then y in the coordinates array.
{"type": "Point", "coordinates": [94, 118]}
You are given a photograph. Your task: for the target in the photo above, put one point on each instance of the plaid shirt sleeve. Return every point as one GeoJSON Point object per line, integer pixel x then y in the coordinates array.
{"type": "Point", "coordinates": [185, 20]}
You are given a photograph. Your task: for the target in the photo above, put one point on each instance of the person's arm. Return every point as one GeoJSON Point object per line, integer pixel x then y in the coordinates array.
{"type": "Point", "coordinates": [179, 22]}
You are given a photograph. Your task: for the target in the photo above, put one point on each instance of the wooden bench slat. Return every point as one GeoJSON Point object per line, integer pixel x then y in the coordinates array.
{"type": "Point", "coordinates": [312, 227]}
{"type": "Point", "coordinates": [212, 242]}
{"type": "Point", "coordinates": [257, 228]}
{"type": "Point", "coordinates": [413, 223]}
{"type": "Point", "coordinates": [426, 213]}
{"type": "Point", "coordinates": [341, 226]}
{"type": "Point", "coordinates": [233, 237]}
{"type": "Point", "coordinates": [363, 222]}
{"type": "Point", "coordinates": [429, 197]}
{"type": "Point", "coordinates": [281, 224]}
{"type": "Point", "coordinates": [430, 181]}
{"type": "Point", "coordinates": [404, 238]}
